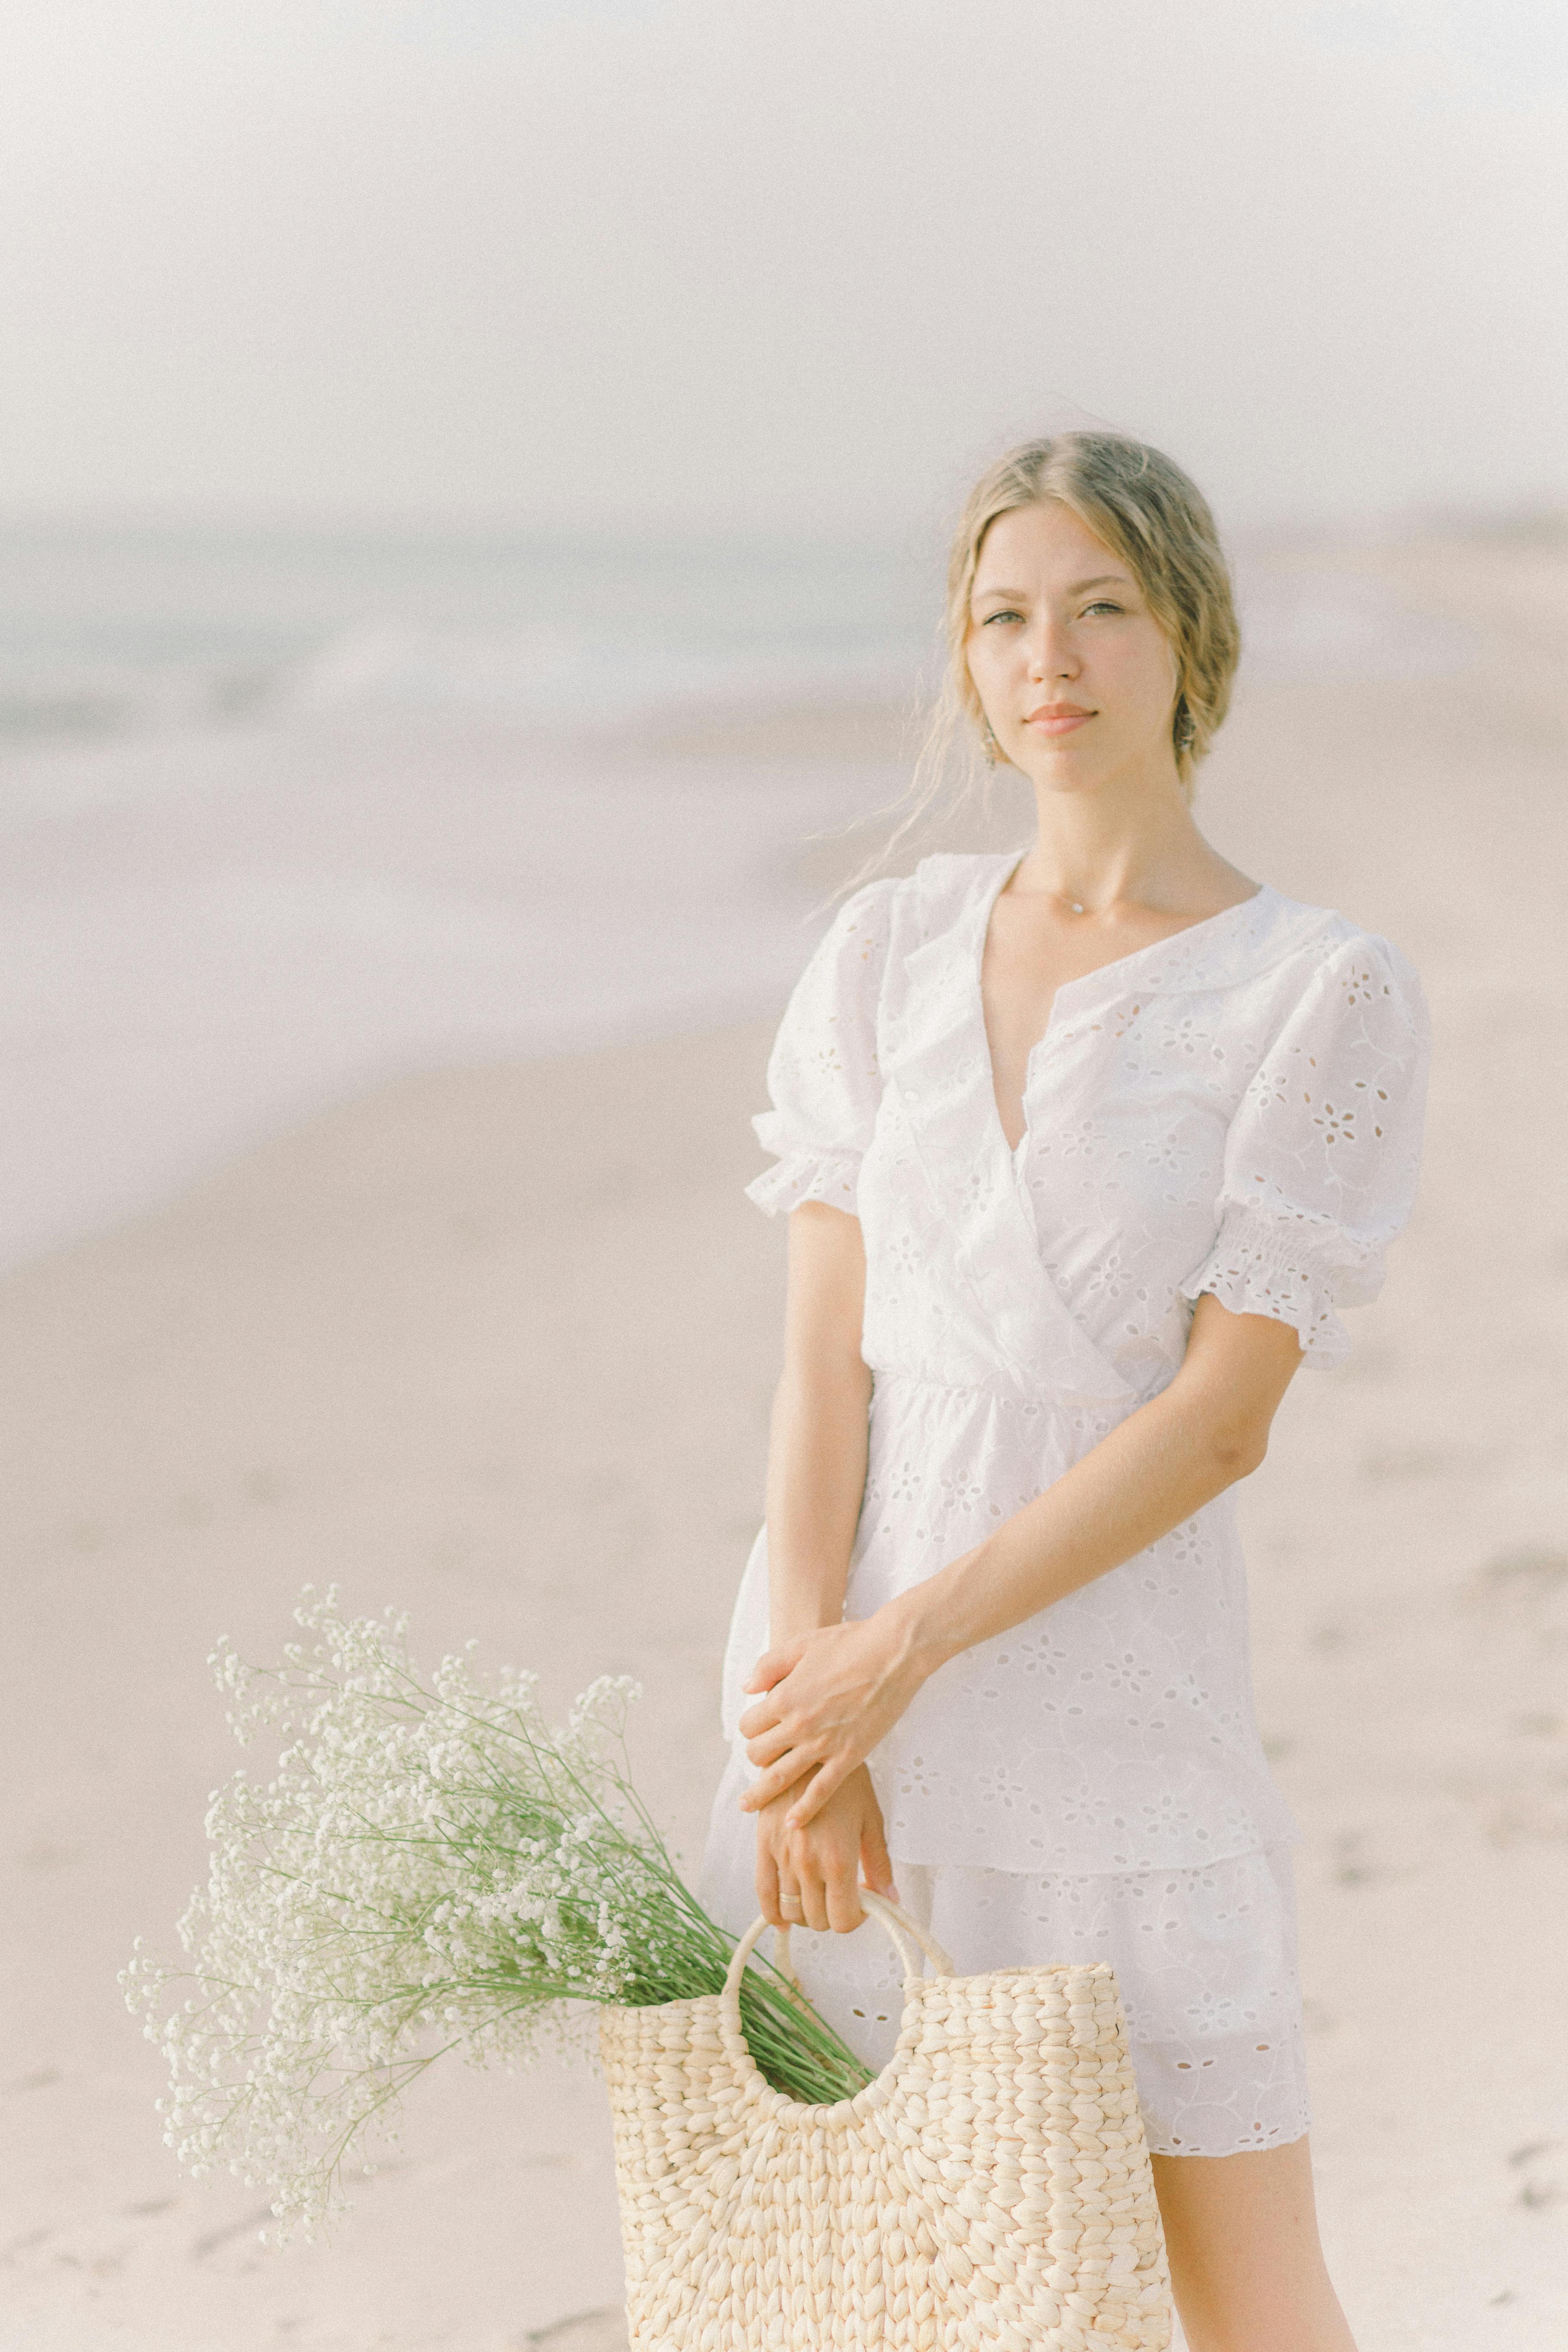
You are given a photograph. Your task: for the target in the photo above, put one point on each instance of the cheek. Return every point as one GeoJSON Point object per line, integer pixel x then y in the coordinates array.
{"type": "Point", "coordinates": [984, 667]}
{"type": "Point", "coordinates": [1140, 676]}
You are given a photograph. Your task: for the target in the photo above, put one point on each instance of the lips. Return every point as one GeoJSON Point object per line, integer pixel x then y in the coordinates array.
{"type": "Point", "coordinates": [1057, 718]}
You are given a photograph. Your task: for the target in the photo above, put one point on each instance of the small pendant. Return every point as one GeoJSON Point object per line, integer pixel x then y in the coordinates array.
{"type": "Point", "coordinates": [1074, 905]}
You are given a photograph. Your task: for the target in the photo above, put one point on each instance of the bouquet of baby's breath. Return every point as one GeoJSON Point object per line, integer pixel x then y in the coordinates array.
{"type": "Point", "coordinates": [434, 1866]}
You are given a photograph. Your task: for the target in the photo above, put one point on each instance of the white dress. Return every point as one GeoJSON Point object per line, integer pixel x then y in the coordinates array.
{"type": "Point", "coordinates": [1236, 1110]}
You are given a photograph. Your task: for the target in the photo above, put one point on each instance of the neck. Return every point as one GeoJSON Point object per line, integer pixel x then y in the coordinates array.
{"type": "Point", "coordinates": [1133, 845]}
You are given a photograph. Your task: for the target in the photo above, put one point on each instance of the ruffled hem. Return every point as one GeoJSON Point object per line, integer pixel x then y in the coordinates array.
{"type": "Point", "coordinates": [800, 1176]}
{"type": "Point", "coordinates": [1261, 1265]}
{"type": "Point", "coordinates": [926, 1835]}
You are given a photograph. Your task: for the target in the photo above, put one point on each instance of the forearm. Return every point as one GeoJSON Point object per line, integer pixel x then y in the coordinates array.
{"type": "Point", "coordinates": [1152, 1472]}
{"type": "Point", "coordinates": [816, 1478]}
{"type": "Point", "coordinates": [832, 1693]}
{"type": "Point", "coordinates": [835, 1689]}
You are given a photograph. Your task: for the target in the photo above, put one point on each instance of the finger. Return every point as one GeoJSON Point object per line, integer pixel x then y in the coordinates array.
{"type": "Point", "coordinates": [813, 1893]}
{"type": "Point", "coordinates": [769, 1745]}
{"type": "Point", "coordinates": [817, 1789]}
{"type": "Point", "coordinates": [844, 1907]}
{"type": "Point", "coordinates": [778, 1780]}
{"type": "Point", "coordinates": [759, 1719]}
{"type": "Point", "coordinates": [773, 1664]}
{"type": "Point", "coordinates": [875, 1864]}
{"type": "Point", "coordinates": [768, 1885]}
{"type": "Point", "coordinates": [800, 1865]}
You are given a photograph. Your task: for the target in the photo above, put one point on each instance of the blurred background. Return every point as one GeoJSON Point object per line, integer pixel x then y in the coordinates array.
{"type": "Point", "coordinates": [474, 482]}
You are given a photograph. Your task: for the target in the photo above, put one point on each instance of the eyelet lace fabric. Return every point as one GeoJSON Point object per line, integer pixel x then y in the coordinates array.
{"type": "Point", "coordinates": [1234, 1110]}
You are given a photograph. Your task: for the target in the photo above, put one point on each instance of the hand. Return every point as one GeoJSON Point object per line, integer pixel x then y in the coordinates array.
{"type": "Point", "coordinates": [830, 1695]}
{"type": "Point", "coordinates": [809, 1878]}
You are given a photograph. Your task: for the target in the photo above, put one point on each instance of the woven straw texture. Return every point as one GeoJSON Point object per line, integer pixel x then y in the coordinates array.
{"type": "Point", "coordinates": [991, 2189]}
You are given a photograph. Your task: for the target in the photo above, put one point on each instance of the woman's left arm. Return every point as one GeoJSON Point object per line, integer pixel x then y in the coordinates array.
{"type": "Point", "coordinates": [829, 1695]}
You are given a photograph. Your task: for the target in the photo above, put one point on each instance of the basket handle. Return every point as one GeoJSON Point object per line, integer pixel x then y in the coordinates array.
{"type": "Point", "coordinates": [909, 1936]}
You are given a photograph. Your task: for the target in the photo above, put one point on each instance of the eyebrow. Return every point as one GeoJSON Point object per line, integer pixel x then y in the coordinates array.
{"type": "Point", "coordinates": [1075, 588]}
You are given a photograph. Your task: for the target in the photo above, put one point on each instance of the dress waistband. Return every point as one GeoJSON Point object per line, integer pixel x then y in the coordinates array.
{"type": "Point", "coordinates": [883, 1380]}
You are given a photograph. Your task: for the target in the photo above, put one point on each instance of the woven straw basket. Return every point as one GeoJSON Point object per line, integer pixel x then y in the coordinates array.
{"type": "Point", "coordinates": [991, 2189]}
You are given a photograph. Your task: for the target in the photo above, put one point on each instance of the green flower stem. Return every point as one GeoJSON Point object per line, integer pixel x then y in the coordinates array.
{"type": "Point", "coordinates": [433, 1864]}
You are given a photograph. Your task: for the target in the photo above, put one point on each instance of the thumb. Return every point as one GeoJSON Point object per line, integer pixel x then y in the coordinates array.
{"type": "Point", "coordinates": [876, 1867]}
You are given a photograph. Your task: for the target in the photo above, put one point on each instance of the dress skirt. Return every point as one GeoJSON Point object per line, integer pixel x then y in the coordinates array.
{"type": "Point", "coordinates": [1206, 1959]}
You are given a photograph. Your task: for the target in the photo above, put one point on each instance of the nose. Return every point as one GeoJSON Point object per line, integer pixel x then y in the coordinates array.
{"type": "Point", "coordinates": [1051, 653]}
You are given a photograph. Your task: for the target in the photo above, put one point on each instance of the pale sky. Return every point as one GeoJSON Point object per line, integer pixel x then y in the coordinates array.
{"type": "Point", "coordinates": [643, 263]}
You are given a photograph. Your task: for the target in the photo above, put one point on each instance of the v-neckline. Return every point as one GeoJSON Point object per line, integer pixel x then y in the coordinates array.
{"type": "Point", "coordinates": [1115, 964]}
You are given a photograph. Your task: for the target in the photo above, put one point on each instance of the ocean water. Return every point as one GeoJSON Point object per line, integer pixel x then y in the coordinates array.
{"type": "Point", "coordinates": [108, 632]}
{"type": "Point", "coordinates": [283, 813]}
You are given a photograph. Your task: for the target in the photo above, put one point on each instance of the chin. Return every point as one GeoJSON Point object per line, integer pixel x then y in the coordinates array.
{"type": "Point", "coordinates": [1060, 772]}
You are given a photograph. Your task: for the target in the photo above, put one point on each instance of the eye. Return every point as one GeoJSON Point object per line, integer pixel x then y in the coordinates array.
{"type": "Point", "coordinates": [1104, 605]}
{"type": "Point", "coordinates": [992, 618]}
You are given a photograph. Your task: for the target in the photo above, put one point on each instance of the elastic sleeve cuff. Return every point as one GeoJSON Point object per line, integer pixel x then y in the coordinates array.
{"type": "Point", "coordinates": [1267, 1266]}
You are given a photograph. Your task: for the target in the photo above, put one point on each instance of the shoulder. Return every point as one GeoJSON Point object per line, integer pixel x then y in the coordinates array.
{"type": "Point", "coordinates": [951, 879]}
{"type": "Point", "coordinates": [946, 889]}
{"type": "Point", "coordinates": [841, 982]}
{"type": "Point", "coordinates": [1319, 967]}
{"type": "Point", "coordinates": [852, 952]}
{"type": "Point", "coordinates": [910, 908]}
{"type": "Point", "coordinates": [865, 913]}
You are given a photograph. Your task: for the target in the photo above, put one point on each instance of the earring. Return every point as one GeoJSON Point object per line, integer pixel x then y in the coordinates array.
{"type": "Point", "coordinates": [1187, 732]}
{"type": "Point", "coordinates": [992, 746]}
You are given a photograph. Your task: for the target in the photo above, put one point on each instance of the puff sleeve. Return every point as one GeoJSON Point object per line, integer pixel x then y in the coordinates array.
{"type": "Point", "coordinates": [1322, 1156]}
{"type": "Point", "coordinates": [823, 1075]}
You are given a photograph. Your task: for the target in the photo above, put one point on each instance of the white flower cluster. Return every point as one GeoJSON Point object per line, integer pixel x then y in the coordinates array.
{"type": "Point", "coordinates": [432, 1865]}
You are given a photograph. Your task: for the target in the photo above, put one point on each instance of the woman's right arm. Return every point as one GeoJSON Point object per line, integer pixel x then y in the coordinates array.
{"type": "Point", "coordinates": [816, 1478]}
{"type": "Point", "coordinates": [816, 1446]}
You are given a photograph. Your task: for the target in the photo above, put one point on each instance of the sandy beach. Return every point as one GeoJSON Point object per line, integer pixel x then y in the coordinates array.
{"type": "Point", "coordinates": [494, 1340]}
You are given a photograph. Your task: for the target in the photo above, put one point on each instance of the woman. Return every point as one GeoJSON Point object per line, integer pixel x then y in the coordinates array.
{"type": "Point", "coordinates": [1082, 1149]}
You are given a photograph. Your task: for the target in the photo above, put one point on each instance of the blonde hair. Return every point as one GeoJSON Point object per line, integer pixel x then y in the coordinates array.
{"type": "Point", "coordinates": [1148, 512]}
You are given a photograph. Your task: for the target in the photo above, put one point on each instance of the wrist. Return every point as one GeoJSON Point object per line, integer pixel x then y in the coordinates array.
{"type": "Point", "coordinates": [790, 1624]}
{"type": "Point", "coordinates": [921, 1623]}
{"type": "Point", "coordinates": [806, 1593]}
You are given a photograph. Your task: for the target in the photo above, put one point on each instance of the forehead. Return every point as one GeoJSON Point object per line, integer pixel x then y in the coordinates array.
{"type": "Point", "coordinates": [1045, 540]}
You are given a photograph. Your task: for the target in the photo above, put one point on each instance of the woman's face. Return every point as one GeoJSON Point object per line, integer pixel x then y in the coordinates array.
{"type": "Point", "coordinates": [1073, 671]}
